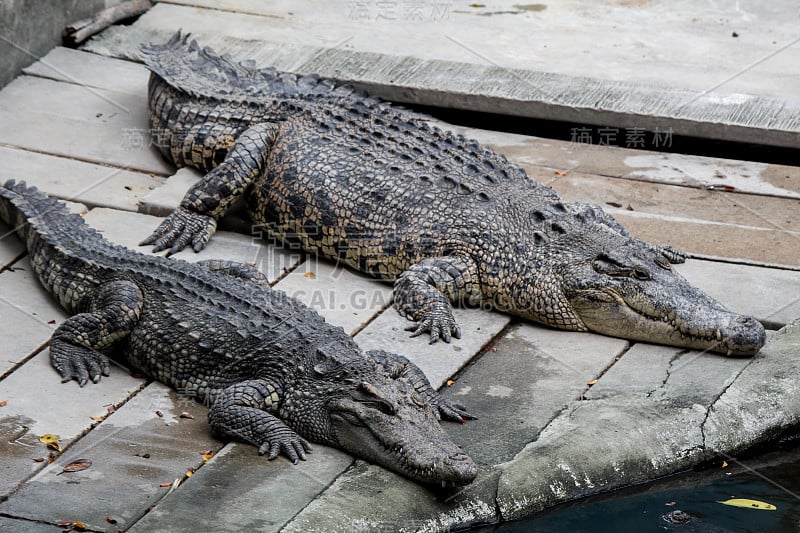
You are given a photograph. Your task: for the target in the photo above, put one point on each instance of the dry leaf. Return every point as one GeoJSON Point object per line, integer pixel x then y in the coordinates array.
{"type": "Point", "coordinates": [450, 382]}
{"type": "Point", "coordinates": [560, 172]}
{"type": "Point", "coordinates": [111, 520]}
{"type": "Point", "coordinates": [51, 441]}
{"type": "Point", "coordinates": [592, 382]}
{"type": "Point", "coordinates": [309, 274]}
{"type": "Point", "coordinates": [724, 464]}
{"type": "Point", "coordinates": [39, 460]}
{"type": "Point", "coordinates": [98, 419]}
{"type": "Point", "coordinates": [190, 472]}
{"type": "Point", "coordinates": [749, 504]}
{"type": "Point", "coordinates": [186, 415]}
{"type": "Point", "coordinates": [614, 204]}
{"type": "Point", "coordinates": [207, 455]}
{"type": "Point", "coordinates": [3, 403]}
{"type": "Point", "coordinates": [110, 409]}
{"type": "Point", "coordinates": [159, 414]}
{"type": "Point", "coordinates": [169, 484]}
{"type": "Point", "coordinates": [76, 466]}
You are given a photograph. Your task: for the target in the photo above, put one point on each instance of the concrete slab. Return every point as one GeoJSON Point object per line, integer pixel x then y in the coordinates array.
{"type": "Point", "coordinates": [70, 179]}
{"type": "Point", "coordinates": [13, 525]}
{"type": "Point", "coordinates": [128, 229]}
{"type": "Point", "coordinates": [239, 491]}
{"type": "Point", "coordinates": [28, 315]}
{"type": "Point", "coordinates": [11, 248]}
{"type": "Point", "coordinates": [94, 125]}
{"type": "Point", "coordinates": [441, 360]}
{"type": "Point", "coordinates": [631, 428]}
{"type": "Point", "coordinates": [132, 452]}
{"type": "Point", "coordinates": [344, 297]}
{"type": "Point", "coordinates": [771, 295]}
{"type": "Point", "coordinates": [90, 70]}
{"type": "Point", "coordinates": [516, 388]}
{"type": "Point", "coordinates": [38, 403]}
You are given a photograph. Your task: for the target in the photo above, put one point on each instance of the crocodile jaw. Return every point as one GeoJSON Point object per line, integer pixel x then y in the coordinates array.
{"type": "Point", "coordinates": [410, 442]}
{"type": "Point", "coordinates": [703, 326]}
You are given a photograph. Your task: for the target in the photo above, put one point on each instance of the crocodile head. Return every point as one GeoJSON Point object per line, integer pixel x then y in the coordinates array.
{"type": "Point", "coordinates": [382, 419]}
{"type": "Point", "coordinates": [624, 287]}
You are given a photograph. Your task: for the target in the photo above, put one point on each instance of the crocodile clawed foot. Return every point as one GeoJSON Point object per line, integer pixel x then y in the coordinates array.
{"type": "Point", "coordinates": [287, 443]}
{"type": "Point", "coordinates": [452, 411]}
{"type": "Point", "coordinates": [78, 363]}
{"type": "Point", "coordinates": [673, 255]}
{"type": "Point", "coordinates": [181, 228]}
{"type": "Point", "coordinates": [440, 323]}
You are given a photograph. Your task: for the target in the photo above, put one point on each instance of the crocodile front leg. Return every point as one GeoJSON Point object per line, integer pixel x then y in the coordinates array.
{"type": "Point", "coordinates": [399, 367]}
{"type": "Point", "coordinates": [423, 293]}
{"type": "Point", "coordinates": [76, 344]}
{"type": "Point", "coordinates": [195, 220]}
{"type": "Point", "coordinates": [240, 412]}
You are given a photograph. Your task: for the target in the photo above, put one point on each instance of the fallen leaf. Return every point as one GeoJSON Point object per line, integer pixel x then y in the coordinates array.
{"type": "Point", "coordinates": [98, 419]}
{"type": "Point", "coordinates": [560, 172]}
{"type": "Point", "coordinates": [190, 472]}
{"type": "Point", "coordinates": [159, 414]}
{"type": "Point", "coordinates": [51, 441]}
{"type": "Point", "coordinates": [592, 382]}
{"type": "Point", "coordinates": [724, 464]}
{"type": "Point", "coordinates": [3, 403]}
{"type": "Point", "coordinates": [186, 415]}
{"type": "Point", "coordinates": [52, 457]}
{"type": "Point", "coordinates": [749, 504]}
{"type": "Point", "coordinates": [309, 275]}
{"type": "Point", "coordinates": [629, 208]}
{"type": "Point", "coordinates": [39, 460]}
{"type": "Point", "coordinates": [110, 409]}
{"type": "Point", "coordinates": [728, 188]}
{"type": "Point", "coordinates": [613, 204]}
{"type": "Point", "coordinates": [169, 484]}
{"type": "Point", "coordinates": [671, 504]}
{"type": "Point", "coordinates": [111, 520]}
{"type": "Point", "coordinates": [477, 5]}
{"type": "Point", "coordinates": [450, 382]}
{"type": "Point", "coordinates": [207, 455]}
{"type": "Point", "coordinates": [76, 466]}
{"type": "Point", "coordinates": [51, 321]}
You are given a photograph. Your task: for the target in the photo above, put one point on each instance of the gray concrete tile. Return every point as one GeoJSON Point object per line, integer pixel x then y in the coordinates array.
{"type": "Point", "coordinates": [28, 314]}
{"type": "Point", "coordinates": [238, 490]}
{"type": "Point", "coordinates": [12, 525]}
{"type": "Point", "coordinates": [91, 70]}
{"type": "Point", "coordinates": [771, 295]}
{"type": "Point", "coordinates": [38, 403]}
{"type": "Point", "coordinates": [441, 360]}
{"type": "Point", "coordinates": [83, 123]}
{"type": "Point", "coordinates": [344, 297]}
{"type": "Point", "coordinates": [132, 452]}
{"type": "Point", "coordinates": [164, 199]}
{"type": "Point", "coordinates": [10, 246]}
{"type": "Point", "coordinates": [79, 181]}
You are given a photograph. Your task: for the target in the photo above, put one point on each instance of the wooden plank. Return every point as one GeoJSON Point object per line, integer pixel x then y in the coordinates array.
{"type": "Point", "coordinates": [465, 66]}
{"type": "Point", "coordinates": [93, 125]}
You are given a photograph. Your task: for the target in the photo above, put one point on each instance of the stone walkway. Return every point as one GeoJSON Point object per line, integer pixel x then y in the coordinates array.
{"type": "Point", "coordinates": [561, 415]}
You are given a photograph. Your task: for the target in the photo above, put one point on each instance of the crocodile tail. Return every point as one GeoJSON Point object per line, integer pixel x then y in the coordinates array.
{"type": "Point", "coordinates": [31, 213]}
{"type": "Point", "coordinates": [200, 72]}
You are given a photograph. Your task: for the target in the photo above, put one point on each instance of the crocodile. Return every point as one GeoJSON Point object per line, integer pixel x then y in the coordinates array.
{"type": "Point", "coordinates": [274, 373]}
{"type": "Point", "coordinates": [376, 187]}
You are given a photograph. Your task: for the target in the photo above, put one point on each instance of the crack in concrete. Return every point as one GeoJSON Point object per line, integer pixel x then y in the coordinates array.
{"type": "Point", "coordinates": [668, 375]}
{"type": "Point", "coordinates": [716, 399]}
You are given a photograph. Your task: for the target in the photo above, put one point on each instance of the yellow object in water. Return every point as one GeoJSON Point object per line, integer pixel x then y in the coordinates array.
{"type": "Point", "coordinates": [750, 504]}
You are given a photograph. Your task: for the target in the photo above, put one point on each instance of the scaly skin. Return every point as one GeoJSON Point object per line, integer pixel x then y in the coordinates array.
{"type": "Point", "coordinates": [274, 373]}
{"type": "Point", "coordinates": [376, 187]}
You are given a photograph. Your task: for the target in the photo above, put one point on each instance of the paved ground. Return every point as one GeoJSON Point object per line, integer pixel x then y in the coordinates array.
{"type": "Point", "coordinates": [75, 126]}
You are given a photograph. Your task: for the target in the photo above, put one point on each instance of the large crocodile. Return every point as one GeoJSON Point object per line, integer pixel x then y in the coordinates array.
{"type": "Point", "coordinates": [357, 180]}
{"type": "Point", "coordinates": [274, 373]}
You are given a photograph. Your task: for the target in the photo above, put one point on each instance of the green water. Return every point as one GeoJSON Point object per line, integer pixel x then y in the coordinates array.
{"type": "Point", "coordinates": [693, 501]}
